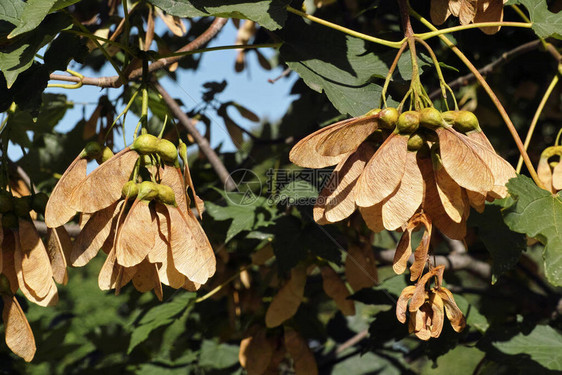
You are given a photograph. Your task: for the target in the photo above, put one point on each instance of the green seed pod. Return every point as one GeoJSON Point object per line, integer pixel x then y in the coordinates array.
{"type": "Point", "coordinates": [6, 202]}
{"type": "Point", "coordinates": [388, 118]}
{"type": "Point", "coordinates": [148, 190]}
{"type": "Point", "coordinates": [22, 206]}
{"type": "Point", "coordinates": [146, 160]}
{"type": "Point", "coordinates": [431, 118]}
{"type": "Point", "coordinates": [166, 195]}
{"type": "Point", "coordinates": [5, 286]}
{"type": "Point", "coordinates": [10, 220]}
{"type": "Point", "coordinates": [167, 151]}
{"type": "Point", "coordinates": [105, 155]}
{"type": "Point", "coordinates": [408, 122]}
{"type": "Point", "coordinates": [91, 151]}
{"type": "Point", "coordinates": [465, 122]}
{"type": "Point", "coordinates": [38, 202]}
{"type": "Point", "coordinates": [373, 112]}
{"type": "Point", "coordinates": [182, 149]}
{"type": "Point", "coordinates": [449, 117]}
{"type": "Point", "coordinates": [415, 142]}
{"type": "Point", "coordinates": [145, 144]}
{"type": "Point", "coordinates": [130, 190]}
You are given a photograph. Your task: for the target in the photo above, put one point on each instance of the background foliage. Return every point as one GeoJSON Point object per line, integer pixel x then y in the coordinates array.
{"type": "Point", "coordinates": [513, 308]}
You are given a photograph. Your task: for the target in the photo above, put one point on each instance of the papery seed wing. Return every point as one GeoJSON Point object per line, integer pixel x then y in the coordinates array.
{"type": "Point", "coordinates": [318, 213]}
{"type": "Point", "coordinates": [35, 263]}
{"type": "Point", "coordinates": [159, 251]}
{"type": "Point", "coordinates": [347, 138]}
{"type": "Point", "coordinates": [383, 172]}
{"type": "Point", "coordinates": [107, 277]}
{"type": "Point", "coordinates": [58, 211]}
{"type": "Point", "coordinates": [439, 11]}
{"type": "Point", "coordinates": [335, 288]}
{"type": "Point", "coordinates": [438, 315]}
{"type": "Point", "coordinates": [287, 301]}
{"type": "Point", "coordinates": [57, 240]}
{"type": "Point", "coordinates": [8, 266]}
{"type": "Point", "coordinates": [402, 303]}
{"type": "Point", "coordinates": [477, 200]}
{"type": "Point", "coordinates": [420, 255]}
{"type": "Point", "coordinates": [450, 193]}
{"type": "Point", "coordinates": [463, 162]}
{"type": "Point", "coordinates": [103, 186]}
{"type": "Point", "coordinates": [136, 236]}
{"type": "Point", "coordinates": [545, 174]}
{"type": "Point", "coordinates": [255, 351]}
{"type": "Point", "coordinates": [403, 251]}
{"type": "Point", "coordinates": [455, 315]}
{"type": "Point", "coordinates": [360, 267]}
{"type": "Point", "coordinates": [338, 196]}
{"type": "Point", "coordinates": [19, 336]}
{"type": "Point", "coordinates": [492, 13]}
{"type": "Point", "coordinates": [304, 152]}
{"type": "Point", "coordinates": [373, 217]}
{"type": "Point", "coordinates": [146, 278]}
{"type": "Point", "coordinates": [421, 327]}
{"type": "Point", "coordinates": [303, 359]}
{"type": "Point", "coordinates": [557, 176]}
{"type": "Point", "coordinates": [192, 253]}
{"type": "Point", "coordinates": [172, 177]}
{"type": "Point", "coordinates": [99, 227]}
{"type": "Point", "coordinates": [403, 204]}
{"type": "Point", "coordinates": [199, 204]}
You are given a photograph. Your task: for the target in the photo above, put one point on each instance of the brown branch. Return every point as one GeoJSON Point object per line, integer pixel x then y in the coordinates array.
{"type": "Point", "coordinates": [72, 229]}
{"type": "Point", "coordinates": [204, 145]}
{"type": "Point", "coordinates": [114, 81]}
{"type": "Point", "coordinates": [501, 60]}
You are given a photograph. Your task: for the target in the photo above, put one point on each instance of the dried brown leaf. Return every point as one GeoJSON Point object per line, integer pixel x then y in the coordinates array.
{"type": "Point", "coordinates": [383, 172]}
{"type": "Point", "coordinates": [338, 198]}
{"type": "Point", "coordinates": [335, 288]}
{"type": "Point", "coordinates": [303, 359]}
{"type": "Point", "coordinates": [58, 210]}
{"type": "Point", "coordinates": [103, 186]}
{"type": "Point", "coordinates": [439, 11]}
{"type": "Point", "coordinates": [136, 236]}
{"type": "Point", "coordinates": [403, 204]}
{"type": "Point", "coordinates": [360, 267]}
{"type": "Point", "coordinates": [287, 301]}
{"type": "Point", "coordinates": [97, 230]}
{"type": "Point", "coordinates": [19, 336]}
{"type": "Point", "coordinates": [304, 152]}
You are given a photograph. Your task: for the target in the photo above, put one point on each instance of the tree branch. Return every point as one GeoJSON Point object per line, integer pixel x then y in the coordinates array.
{"type": "Point", "coordinates": [501, 60]}
{"type": "Point", "coordinates": [114, 81]}
{"type": "Point", "coordinates": [204, 145]}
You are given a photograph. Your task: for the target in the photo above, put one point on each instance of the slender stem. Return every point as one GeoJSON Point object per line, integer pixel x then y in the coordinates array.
{"type": "Point", "coordinates": [449, 30]}
{"type": "Point", "coordinates": [218, 288]}
{"type": "Point", "coordinates": [345, 30]}
{"type": "Point", "coordinates": [204, 145]}
{"type": "Point", "coordinates": [492, 96]}
{"type": "Point", "coordinates": [391, 72]}
{"type": "Point", "coordinates": [221, 48]}
{"type": "Point", "coordinates": [536, 119]}
{"type": "Point", "coordinates": [557, 141]}
{"type": "Point", "coordinates": [442, 82]}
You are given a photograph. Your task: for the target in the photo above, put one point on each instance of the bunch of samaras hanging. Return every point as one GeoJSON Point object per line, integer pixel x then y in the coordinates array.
{"type": "Point", "coordinates": [406, 171]}
{"type": "Point", "coordinates": [135, 207]}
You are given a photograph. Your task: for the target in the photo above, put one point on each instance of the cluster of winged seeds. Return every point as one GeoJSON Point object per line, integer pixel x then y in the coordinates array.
{"type": "Point", "coordinates": [469, 11]}
{"type": "Point", "coordinates": [135, 207]}
{"type": "Point", "coordinates": [26, 264]}
{"type": "Point", "coordinates": [550, 168]}
{"type": "Point", "coordinates": [408, 171]}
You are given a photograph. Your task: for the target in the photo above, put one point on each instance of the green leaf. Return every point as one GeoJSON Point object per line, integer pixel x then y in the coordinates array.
{"type": "Point", "coordinates": [18, 55]}
{"type": "Point", "coordinates": [504, 245]}
{"type": "Point", "coordinates": [218, 356]}
{"type": "Point", "coordinates": [11, 11]}
{"type": "Point", "coordinates": [543, 345]}
{"type": "Point", "coordinates": [159, 316]}
{"type": "Point", "coordinates": [63, 49]}
{"type": "Point", "coordinates": [405, 64]}
{"type": "Point", "coordinates": [247, 211]}
{"type": "Point", "coordinates": [538, 213]}
{"type": "Point", "coordinates": [60, 4]}
{"type": "Point", "coordinates": [545, 23]}
{"type": "Point", "coordinates": [34, 12]}
{"type": "Point", "coordinates": [472, 315]}
{"type": "Point", "coordinates": [339, 65]}
{"type": "Point", "coordinates": [461, 358]}
{"type": "Point", "coordinates": [270, 14]}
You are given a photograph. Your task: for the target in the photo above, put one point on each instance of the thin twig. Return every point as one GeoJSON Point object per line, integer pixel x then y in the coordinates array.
{"type": "Point", "coordinates": [204, 145]}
